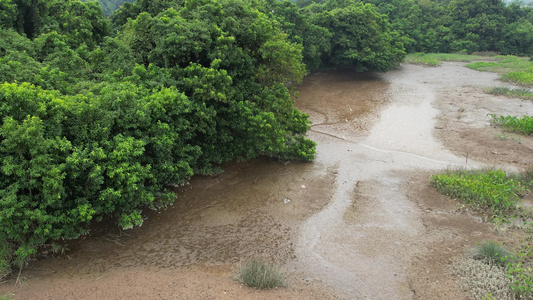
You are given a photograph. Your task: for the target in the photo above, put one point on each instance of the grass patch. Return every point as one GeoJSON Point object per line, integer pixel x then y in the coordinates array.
{"type": "Point", "coordinates": [514, 69]}
{"type": "Point", "coordinates": [523, 125]}
{"type": "Point", "coordinates": [518, 70]}
{"type": "Point", "coordinates": [502, 64]}
{"type": "Point", "coordinates": [514, 93]}
{"type": "Point", "coordinates": [490, 190]}
{"type": "Point", "coordinates": [434, 59]}
{"type": "Point", "coordinates": [491, 253]}
{"type": "Point", "coordinates": [422, 59]}
{"type": "Point", "coordinates": [524, 78]}
{"type": "Point", "coordinates": [260, 274]}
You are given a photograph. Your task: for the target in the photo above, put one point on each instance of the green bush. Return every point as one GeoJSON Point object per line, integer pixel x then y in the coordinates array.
{"type": "Point", "coordinates": [260, 274]}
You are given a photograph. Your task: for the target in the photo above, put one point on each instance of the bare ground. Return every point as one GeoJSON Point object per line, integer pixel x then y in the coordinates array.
{"type": "Point", "coordinates": [361, 222]}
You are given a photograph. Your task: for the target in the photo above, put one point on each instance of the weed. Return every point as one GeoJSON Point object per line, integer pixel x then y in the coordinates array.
{"type": "Point", "coordinates": [492, 253]}
{"type": "Point", "coordinates": [482, 279]}
{"type": "Point", "coordinates": [491, 189]}
{"type": "Point", "coordinates": [520, 77]}
{"type": "Point", "coordinates": [521, 280]}
{"type": "Point", "coordinates": [522, 125]}
{"type": "Point", "coordinates": [515, 93]}
{"type": "Point", "coordinates": [260, 274]}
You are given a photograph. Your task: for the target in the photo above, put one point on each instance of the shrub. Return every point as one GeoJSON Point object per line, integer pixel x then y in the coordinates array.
{"type": "Point", "coordinates": [260, 274]}
{"type": "Point", "coordinates": [5, 259]}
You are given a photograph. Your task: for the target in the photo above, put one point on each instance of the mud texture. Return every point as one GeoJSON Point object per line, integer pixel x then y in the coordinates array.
{"type": "Point", "coordinates": [360, 222]}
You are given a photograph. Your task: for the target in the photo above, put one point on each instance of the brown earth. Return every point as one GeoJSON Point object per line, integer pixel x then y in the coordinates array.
{"type": "Point", "coordinates": [361, 222]}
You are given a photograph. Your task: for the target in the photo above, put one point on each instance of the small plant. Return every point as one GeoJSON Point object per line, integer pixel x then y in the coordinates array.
{"type": "Point", "coordinates": [482, 280]}
{"type": "Point", "coordinates": [492, 253]}
{"type": "Point", "coordinates": [523, 125]}
{"type": "Point", "coordinates": [260, 274]}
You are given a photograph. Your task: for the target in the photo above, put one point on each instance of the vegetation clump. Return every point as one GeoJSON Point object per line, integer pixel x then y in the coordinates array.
{"type": "Point", "coordinates": [491, 271]}
{"type": "Point", "coordinates": [482, 279]}
{"type": "Point", "coordinates": [492, 253]}
{"type": "Point", "coordinates": [492, 190]}
{"type": "Point", "coordinates": [523, 125]}
{"type": "Point", "coordinates": [524, 78]}
{"type": "Point", "coordinates": [260, 274]}
{"type": "Point", "coordinates": [514, 93]}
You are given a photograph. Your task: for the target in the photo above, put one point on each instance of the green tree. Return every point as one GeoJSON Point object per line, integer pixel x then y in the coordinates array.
{"type": "Point", "coordinates": [362, 38]}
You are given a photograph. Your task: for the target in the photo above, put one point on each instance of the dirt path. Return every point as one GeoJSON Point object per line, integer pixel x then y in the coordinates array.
{"type": "Point", "coordinates": [358, 223]}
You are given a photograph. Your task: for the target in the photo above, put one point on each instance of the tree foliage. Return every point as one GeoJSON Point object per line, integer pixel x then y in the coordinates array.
{"type": "Point", "coordinates": [95, 126]}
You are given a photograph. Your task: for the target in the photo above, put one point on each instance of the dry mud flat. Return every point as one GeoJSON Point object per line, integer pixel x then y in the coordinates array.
{"type": "Point", "coordinates": [360, 222]}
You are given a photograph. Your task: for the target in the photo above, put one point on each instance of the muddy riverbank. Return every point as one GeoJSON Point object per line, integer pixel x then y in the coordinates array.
{"type": "Point", "coordinates": [360, 222]}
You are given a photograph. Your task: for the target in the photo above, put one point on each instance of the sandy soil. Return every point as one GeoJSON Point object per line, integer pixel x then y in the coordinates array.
{"type": "Point", "coordinates": [360, 222]}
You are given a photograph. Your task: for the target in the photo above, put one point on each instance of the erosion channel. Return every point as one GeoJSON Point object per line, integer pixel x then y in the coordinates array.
{"type": "Point", "coordinates": [360, 222]}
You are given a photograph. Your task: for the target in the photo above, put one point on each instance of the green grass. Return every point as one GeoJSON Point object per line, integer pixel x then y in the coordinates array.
{"type": "Point", "coordinates": [518, 70]}
{"type": "Point", "coordinates": [491, 252]}
{"type": "Point", "coordinates": [434, 59]}
{"type": "Point", "coordinates": [490, 190]}
{"type": "Point", "coordinates": [524, 78]}
{"type": "Point", "coordinates": [260, 274]}
{"type": "Point", "coordinates": [513, 69]}
{"type": "Point", "coordinates": [520, 269]}
{"type": "Point", "coordinates": [502, 64]}
{"type": "Point", "coordinates": [523, 125]}
{"type": "Point", "coordinates": [514, 93]}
